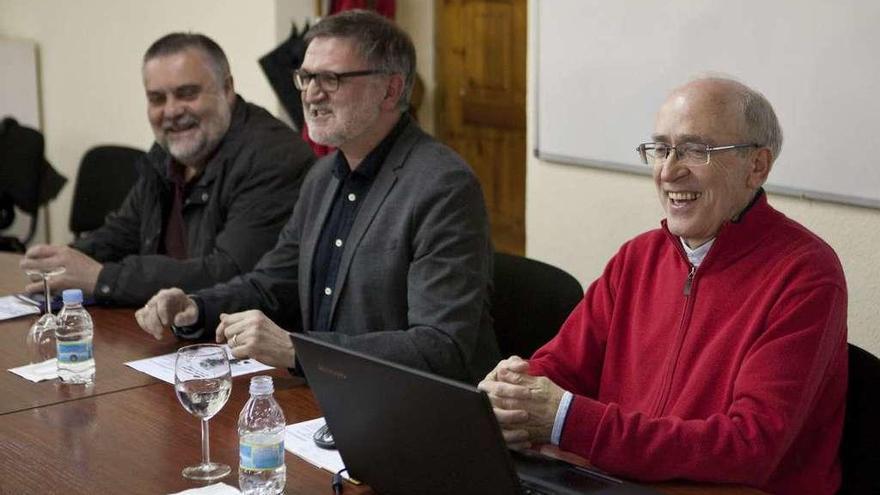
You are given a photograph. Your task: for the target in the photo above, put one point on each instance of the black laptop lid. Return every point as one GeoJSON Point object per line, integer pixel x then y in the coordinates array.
{"type": "Point", "coordinates": [403, 431]}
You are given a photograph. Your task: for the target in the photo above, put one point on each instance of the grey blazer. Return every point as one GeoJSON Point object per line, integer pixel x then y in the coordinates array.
{"type": "Point", "coordinates": [415, 275]}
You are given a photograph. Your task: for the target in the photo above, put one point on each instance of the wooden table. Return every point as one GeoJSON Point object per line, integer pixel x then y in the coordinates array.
{"type": "Point", "coordinates": [137, 441]}
{"type": "Point", "coordinates": [117, 340]}
{"type": "Point", "coordinates": [128, 433]}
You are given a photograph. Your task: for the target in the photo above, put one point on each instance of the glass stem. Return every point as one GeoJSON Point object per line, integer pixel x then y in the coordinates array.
{"type": "Point", "coordinates": [46, 292]}
{"type": "Point", "coordinates": [206, 450]}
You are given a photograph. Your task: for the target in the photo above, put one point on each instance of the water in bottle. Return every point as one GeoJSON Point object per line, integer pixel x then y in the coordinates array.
{"type": "Point", "coordinates": [73, 338]}
{"type": "Point", "coordinates": [261, 424]}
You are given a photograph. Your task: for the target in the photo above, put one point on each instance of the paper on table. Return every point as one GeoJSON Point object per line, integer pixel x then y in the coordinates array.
{"type": "Point", "coordinates": [13, 307]}
{"type": "Point", "coordinates": [47, 370]}
{"type": "Point", "coordinates": [162, 367]}
{"type": "Point", "coordinates": [215, 489]}
{"type": "Point", "coordinates": [298, 440]}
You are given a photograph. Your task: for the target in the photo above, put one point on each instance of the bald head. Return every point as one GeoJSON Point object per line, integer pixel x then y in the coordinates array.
{"type": "Point", "coordinates": [743, 109]}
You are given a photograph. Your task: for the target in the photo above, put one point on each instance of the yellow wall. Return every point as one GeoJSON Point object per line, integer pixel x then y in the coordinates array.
{"type": "Point", "coordinates": [577, 218]}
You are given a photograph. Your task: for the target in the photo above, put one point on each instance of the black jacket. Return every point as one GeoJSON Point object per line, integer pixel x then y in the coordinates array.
{"type": "Point", "coordinates": [233, 212]}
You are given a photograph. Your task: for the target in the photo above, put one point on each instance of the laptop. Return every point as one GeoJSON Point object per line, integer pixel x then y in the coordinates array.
{"type": "Point", "coordinates": [405, 431]}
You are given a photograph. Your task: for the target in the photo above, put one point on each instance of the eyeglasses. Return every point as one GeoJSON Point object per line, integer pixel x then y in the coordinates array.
{"type": "Point", "coordinates": [327, 81]}
{"type": "Point", "coordinates": [689, 153]}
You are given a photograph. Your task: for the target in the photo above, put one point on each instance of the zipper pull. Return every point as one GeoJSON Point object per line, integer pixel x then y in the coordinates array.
{"type": "Point", "coordinates": [689, 281]}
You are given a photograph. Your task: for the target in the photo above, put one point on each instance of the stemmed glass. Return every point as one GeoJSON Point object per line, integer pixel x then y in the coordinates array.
{"type": "Point", "coordinates": [203, 381]}
{"type": "Point", "coordinates": [41, 337]}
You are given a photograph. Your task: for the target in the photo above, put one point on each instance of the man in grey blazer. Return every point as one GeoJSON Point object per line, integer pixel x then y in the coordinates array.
{"type": "Point", "coordinates": [388, 248]}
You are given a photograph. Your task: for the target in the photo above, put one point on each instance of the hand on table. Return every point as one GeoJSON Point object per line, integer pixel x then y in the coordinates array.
{"type": "Point", "coordinates": [524, 405]}
{"type": "Point", "coordinates": [80, 271]}
{"type": "Point", "coordinates": [252, 334]}
{"type": "Point", "coordinates": [168, 307]}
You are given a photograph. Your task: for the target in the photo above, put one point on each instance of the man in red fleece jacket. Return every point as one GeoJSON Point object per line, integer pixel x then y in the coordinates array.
{"type": "Point", "coordinates": [711, 349]}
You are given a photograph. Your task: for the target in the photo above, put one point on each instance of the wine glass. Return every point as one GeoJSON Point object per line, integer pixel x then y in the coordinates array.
{"type": "Point", "coordinates": [203, 381]}
{"type": "Point", "coordinates": [41, 337]}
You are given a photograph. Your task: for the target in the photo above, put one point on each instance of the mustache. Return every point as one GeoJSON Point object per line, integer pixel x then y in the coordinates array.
{"type": "Point", "coordinates": [179, 123]}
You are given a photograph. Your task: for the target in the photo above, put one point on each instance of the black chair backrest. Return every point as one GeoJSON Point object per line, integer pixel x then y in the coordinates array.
{"type": "Point", "coordinates": [860, 448]}
{"type": "Point", "coordinates": [531, 300]}
{"type": "Point", "coordinates": [106, 174]}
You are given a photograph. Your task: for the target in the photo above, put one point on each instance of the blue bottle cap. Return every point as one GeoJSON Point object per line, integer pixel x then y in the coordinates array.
{"type": "Point", "coordinates": [72, 296]}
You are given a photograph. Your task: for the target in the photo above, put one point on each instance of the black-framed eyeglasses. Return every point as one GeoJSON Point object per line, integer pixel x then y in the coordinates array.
{"type": "Point", "coordinates": [327, 81]}
{"type": "Point", "coordinates": [689, 153]}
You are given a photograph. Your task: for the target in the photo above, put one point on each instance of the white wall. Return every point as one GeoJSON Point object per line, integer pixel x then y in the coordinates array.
{"type": "Point", "coordinates": [577, 218]}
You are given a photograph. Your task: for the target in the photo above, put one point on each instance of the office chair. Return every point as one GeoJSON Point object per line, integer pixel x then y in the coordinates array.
{"type": "Point", "coordinates": [860, 448]}
{"type": "Point", "coordinates": [531, 300]}
{"type": "Point", "coordinates": [106, 174]}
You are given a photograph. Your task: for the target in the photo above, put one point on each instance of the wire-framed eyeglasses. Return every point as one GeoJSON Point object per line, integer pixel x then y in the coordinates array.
{"type": "Point", "coordinates": [327, 81]}
{"type": "Point", "coordinates": [689, 153]}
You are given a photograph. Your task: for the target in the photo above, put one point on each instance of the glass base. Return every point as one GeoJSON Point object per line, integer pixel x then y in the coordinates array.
{"type": "Point", "coordinates": [206, 472]}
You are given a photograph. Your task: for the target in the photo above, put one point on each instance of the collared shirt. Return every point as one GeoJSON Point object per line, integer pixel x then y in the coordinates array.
{"type": "Point", "coordinates": [174, 240]}
{"type": "Point", "coordinates": [350, 194]}
{"type": "Point", "coordinates": [696, 255]}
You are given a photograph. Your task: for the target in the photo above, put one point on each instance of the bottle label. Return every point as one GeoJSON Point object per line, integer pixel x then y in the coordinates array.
{"type": "Point", "coordinates": [261, 456]}
{"type": "Point", "coordinates": [74, 352]}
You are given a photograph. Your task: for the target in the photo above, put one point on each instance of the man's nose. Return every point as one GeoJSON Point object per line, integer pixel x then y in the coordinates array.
{"type": "Point", "coordinates": [313, 92]}
{"type": "Point", "coordinates": [173, 108]}
{"type": "Point", "coordinates": [672, 169]}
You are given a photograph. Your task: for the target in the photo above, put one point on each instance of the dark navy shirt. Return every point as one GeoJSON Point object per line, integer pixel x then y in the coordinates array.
{"type": "Point", "coordinates": [350, 194]}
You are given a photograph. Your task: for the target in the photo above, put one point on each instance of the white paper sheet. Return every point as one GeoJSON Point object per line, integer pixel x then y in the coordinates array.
{"type": "Point", "coordinates": [162, 367]}
{"type": "Point", "coordinates": [298, 441]}
{"type": "Point", "coordinates": [47, 370]}
{"type": "Point", "coordinates": [215, 489]}
{"type": "Point", "coordinates": [13, 307]}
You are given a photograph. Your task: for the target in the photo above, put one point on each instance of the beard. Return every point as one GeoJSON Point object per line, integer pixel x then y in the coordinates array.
{"type": "Point", "coordinates": [190, 139]}
{"type": "Point", "coordinates": [330, 125]}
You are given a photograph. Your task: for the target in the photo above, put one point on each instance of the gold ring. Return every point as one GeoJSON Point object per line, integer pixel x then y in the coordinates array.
{"type": "Point", "coordinates": [232, 340]}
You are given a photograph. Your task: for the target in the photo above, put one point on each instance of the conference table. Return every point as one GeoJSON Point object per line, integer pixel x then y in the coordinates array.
{"type": "Point", "coordinates": [127, 433]}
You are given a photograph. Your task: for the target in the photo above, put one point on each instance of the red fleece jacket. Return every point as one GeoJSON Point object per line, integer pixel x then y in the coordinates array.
{"type": "Point", "coordinates": [736, 373]}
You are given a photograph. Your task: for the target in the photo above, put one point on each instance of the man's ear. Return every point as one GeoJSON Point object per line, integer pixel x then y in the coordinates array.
{"type": "Point", "coordinates": [760, 164]}
{"type": "Point", "coordinates": [393, 92]}
{"type": "Point", "coordinates": [229, 89]}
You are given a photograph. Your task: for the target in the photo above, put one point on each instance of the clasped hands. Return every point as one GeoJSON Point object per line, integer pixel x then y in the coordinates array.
{"type": "Point", "coordinates": [524, 405]}
{"type": "Point", "coordinates": [250, 334]}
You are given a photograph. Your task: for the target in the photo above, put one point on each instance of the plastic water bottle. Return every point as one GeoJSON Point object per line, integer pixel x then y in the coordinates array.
{"type": "Point", "coordinates": [73, 339]}
{"type": "Point", "coordinates": [261, 468]}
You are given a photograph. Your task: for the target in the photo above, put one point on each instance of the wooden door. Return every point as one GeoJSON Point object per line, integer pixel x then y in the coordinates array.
{"type": "Point", "coordinates": [481, 53]}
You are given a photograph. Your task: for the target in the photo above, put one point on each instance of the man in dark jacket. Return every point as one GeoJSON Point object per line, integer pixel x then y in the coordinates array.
{"type": "Point", "coordinates": [215, 189]}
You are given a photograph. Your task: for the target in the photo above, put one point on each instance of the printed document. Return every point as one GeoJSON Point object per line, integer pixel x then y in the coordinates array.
{"type": "Point", "coordinates": [298, 441]}
{"type": "Point", "coordinates": [162, 367]}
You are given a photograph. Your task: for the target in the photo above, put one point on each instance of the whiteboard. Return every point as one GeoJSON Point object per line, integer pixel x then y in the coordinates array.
{"type": "Point", "coordinates": [604, 67]}
{"type": "Point", "coordinates": [19, 96]}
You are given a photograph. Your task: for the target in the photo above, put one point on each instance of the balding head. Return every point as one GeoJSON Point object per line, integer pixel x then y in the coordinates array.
{"type": "Point", "coordinates": [753, 115]}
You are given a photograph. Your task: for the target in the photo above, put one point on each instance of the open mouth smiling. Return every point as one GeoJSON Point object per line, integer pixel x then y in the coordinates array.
{"type": "Point", "coordinates": [682, 197]}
